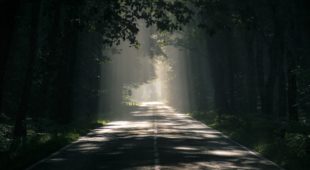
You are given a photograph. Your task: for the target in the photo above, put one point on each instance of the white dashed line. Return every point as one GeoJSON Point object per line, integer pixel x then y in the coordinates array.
{"type": "Point", "coordinates": [156, 153]}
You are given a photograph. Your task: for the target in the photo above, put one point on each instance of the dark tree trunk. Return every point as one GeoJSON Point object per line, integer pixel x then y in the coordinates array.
{"type": "Point", "coordinates": [20, 124]}
{"type": "Point", "coordinates": [279, 76]}
{"type": "Point", "coordinates": [231, 75]}
{"type": "Point", "coordinates": [51, 58]}
{"type": "Point", "coordinates": [276, 62]}
{"type": "Point", "coordinates": [296, 28]}
{"type": "Point", "coordinates": [8, 12]}
{"type": "Point", "coordinates": [268, 94]}
{"type": "Point", "coordinates": [251, 79]}
{"type": "Point", "coordinates": [191, 93]}
{"type": "Point", "coordinates": [282, 97]}
{"type": "Point", "coordinates": [259, 57]}
{"type": "Point", "coordinates": [217, 74]}
{"type": "Point", "coordinates": [292, 89]}
{"type": "Point", "coordinates": [66, 75]}
{"type": "Point", "coordinates": [231, 85]}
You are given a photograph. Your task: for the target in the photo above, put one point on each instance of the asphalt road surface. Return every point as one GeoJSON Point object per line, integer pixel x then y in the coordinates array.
{"type": "Point", "coordinates": [154, 136]}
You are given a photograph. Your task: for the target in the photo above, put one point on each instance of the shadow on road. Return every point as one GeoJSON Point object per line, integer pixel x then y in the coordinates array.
{"type": "Point", "coordinates": [182, 143]}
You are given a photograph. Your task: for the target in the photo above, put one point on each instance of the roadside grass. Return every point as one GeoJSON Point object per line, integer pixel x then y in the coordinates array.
{"type": "Point", "coordinates": [287, 144]}
{"type": "Point", "coordinates": [39, 143]}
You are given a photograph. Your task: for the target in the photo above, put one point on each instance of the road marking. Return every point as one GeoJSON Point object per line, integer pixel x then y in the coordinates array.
{"type": "Point", "coordinates": [155, 146]}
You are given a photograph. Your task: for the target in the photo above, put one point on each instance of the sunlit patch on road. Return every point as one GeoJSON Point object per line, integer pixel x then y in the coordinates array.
{"type": "Point", "coordinates": [186, 148]}
{"type": "Point", "coordinates": [151, 103]}
{"type": "Point", "coordinates": [228, 152]}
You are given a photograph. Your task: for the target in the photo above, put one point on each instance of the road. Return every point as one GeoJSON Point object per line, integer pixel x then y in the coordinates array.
{"type": "Point", "coordinates": [154, 136]}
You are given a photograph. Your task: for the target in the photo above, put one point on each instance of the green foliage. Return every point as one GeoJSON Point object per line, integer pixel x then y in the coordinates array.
{"type": "Point", "coordinates": [297, 144]}
{"type": "Point", "coordinates": [118, 20]}
{"type": "Point", "coordinates": [40, 143]}
{"type": "Point", "coordinates": [288, 145]}
{"type": "Point", "coordinates": [102, 122]}
{"type": "Point", "coordinates": [5, 140]}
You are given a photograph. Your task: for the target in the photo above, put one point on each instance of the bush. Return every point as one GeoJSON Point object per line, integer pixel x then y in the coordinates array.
{"type": "Point", "coordinates": [287, 144]}
{"type": "Point", "coordinates": [43, 138]}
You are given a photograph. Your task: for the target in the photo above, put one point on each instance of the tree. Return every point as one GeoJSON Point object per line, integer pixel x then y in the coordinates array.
{"type": "Point", "coordinates": [112, 20]}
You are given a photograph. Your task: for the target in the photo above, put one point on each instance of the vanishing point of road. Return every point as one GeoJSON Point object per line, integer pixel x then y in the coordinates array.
{"type": "Point", "coordinates": [155, 136]}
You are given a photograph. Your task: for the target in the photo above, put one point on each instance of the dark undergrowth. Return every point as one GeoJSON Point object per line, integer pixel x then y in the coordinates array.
{"type": "Point", "coordinates": [287, 144]}
{"type": "Point", "coordinates": [45, 137]}
{"type": "Point", "coordinates": [39, 142]}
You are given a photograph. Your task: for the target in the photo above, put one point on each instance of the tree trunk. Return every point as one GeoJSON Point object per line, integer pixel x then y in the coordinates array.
{"type": "Point", "coordinates": [296, 28]}
{"type": "Point", "coordinates": [292, 89]}
{"type": "Point", "coordinates": [66, 75]}
{"type": "Point", "coordinates": [51, 58]}
{"type": "Point", "coordinates": [260, 74]}
{"type": "Point", "coordinates": [276, 62]}
{"type": "Point", "coordinates": [219, 73]}
{"type": "Point", "coordinates": [268, 94]}
{"type": "Point", "coordinates": [8, 12]}
{"type": "Point", "coordinates": [282, 97]}
{"type": "Point", "coordinates": [20, 124]}
{"type": "Point", "coordinates": [250, 79]}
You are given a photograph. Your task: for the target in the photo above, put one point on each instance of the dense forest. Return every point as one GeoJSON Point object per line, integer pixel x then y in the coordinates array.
{"type": "Point", "coordinates": [241, 66]}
